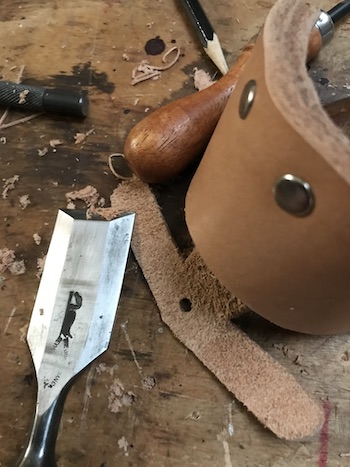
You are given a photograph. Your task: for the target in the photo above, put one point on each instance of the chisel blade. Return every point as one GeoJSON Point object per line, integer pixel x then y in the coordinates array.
{"type": "Point", "coordinates": [77, 299]}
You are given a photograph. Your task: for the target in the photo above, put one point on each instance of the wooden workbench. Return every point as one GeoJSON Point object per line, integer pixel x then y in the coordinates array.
{"type": "Point", "coordinates": [147, 401]}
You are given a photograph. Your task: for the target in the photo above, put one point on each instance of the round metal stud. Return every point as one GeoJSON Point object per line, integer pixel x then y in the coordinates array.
{"type": "Point", "coordinates": [294, 195]}
{"type": "Point", "coordinates": [247, 99]}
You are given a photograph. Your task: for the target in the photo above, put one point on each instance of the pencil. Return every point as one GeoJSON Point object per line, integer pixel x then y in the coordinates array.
{"type": "Point", "coordinates": [206, 33]}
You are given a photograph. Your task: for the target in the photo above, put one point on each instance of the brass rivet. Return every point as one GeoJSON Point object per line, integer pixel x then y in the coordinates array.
{"type": "Point", "coordinates": [294, 195]}
{"type": "Point", "coordinates": [247, 99]}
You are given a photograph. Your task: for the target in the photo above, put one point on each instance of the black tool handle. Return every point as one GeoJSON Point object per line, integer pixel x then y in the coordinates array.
{"type": "Point", "coordinates": [40, 450]}
{"type": "Point", "coordinates": [38, 99]}
{"type": "Point", "coordinates": [338, 12]}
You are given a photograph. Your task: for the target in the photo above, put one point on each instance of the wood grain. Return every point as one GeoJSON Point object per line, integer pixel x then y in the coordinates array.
{"type": "Point", "coordinates": [187, 418]}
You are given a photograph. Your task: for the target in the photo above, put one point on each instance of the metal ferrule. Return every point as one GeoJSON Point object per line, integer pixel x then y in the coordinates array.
{"type": "Point", "coordinates": [326, 27]}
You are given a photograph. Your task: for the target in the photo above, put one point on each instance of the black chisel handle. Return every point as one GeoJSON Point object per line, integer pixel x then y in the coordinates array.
{"type": "Point", "coordinates": [38, 99]}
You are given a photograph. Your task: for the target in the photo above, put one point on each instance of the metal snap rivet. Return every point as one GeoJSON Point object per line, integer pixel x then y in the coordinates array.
{"type": "Point", "coordinates": [247, 98]}
{"type": "Point", "coordinates": [294, 195]}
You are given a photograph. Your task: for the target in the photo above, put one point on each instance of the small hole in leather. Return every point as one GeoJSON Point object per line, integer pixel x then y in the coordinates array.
{"type": "Point", "coordinates": [185, 305]}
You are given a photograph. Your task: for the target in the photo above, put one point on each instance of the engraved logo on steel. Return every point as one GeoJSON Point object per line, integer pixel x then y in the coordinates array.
{"type": "Point", "coordinates": [74, 302]}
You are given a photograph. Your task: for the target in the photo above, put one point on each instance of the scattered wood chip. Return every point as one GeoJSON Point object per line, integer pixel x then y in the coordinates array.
{"type": "Point", "coordinates": [55, 142]}
{"type": "Point", "coordinates": [149, 382]}
{"type": "Point", "coordinates": [123, 444]}
{"type": "Point", "coordinates": [118, 398]}
{"type": "Point", "coordinates": [37, 238]}
{"type": "Point", "coordinates": [40, 263]}
{"type": "Point", "coordinates": [17, 268]}
{"type": "Point", "coordinates": [89, 195]}
{"type": "Point", "coordinates": [119, 167]}
{"type": "Point", "coordinates": [8, 262]}
{"type": "Point", "coordinates": [23, 330]}
{"type": "Point", "coordinates": [126, 57]}
{"type": "Point", "coordinates": [18, 121]}
{"type": "Point", "coordinates": [81, 137]}
{"type": "Point", "coordinates": [23, 96]}
{"type": "Point", "coordinates": [201, 79]}
{"type": "Point", "coordinates": [24, 201]}
{"type": "Point", "coordinates": [3, 140]}
{"type": "Point", "coordinates": [9, 184]}
{"type": "Point", "coordinates": [42, 152]}
{"type": "Point", "coordinates": [145, 71]}
{"type": "Point", "coordinates": [7, 256]}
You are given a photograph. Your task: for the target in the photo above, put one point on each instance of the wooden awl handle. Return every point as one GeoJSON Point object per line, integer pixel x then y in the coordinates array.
{"type": "Point", "coordinates": [165, 142]}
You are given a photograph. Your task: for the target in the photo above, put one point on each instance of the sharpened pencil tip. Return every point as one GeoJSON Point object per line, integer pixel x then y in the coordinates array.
{"type": "Point", "coordinates": [214, 51]}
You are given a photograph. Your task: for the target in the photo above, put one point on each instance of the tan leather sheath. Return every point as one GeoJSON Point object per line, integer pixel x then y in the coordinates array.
{"type": "Point", "coordinates": [292, 269]}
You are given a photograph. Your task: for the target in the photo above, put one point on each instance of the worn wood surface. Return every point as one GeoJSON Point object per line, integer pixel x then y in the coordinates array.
{"type": "Point", "coordinates": [112, 417]}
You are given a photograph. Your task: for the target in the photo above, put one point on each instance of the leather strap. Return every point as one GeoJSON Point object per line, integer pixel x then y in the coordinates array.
{"type": "Point", "coordinates": [199, 312]}
{"type": "Point", "coordinates": [294, 270]}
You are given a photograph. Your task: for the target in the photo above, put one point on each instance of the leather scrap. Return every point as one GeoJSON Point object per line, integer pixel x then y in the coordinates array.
{"type": "Point", "coordinates": [267, 389]}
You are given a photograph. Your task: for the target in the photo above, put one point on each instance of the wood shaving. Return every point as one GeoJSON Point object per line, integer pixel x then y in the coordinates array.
{"type": "Point", "coordinates": [118, 398]}
{"type": "Point", "coordinates": [123, 444]}
{"type": "Point", "coordinates": [81, 137]}
{"type": "Point", "coordinates": [23, 330]}
{"type": "Point", "coordinates": [55, 142]}
{"type": "Point", "coordinates": [17, 268]}
{"type": "Point", "coordinates": [6, 258]}
{"type": "Point", "coordinates": [148, 382]}
{"type": "Point", "coordinates": [37, 238]}
{"type": "Point", "coordinates": [103, 368]}
{"type": "Point", "coordinates": [43, 151]}
{"type": "Point", "coordinates": [89, 195]}
{"type": "Point", "coordinates": [3, 117]}
{"type": "Point", "coordinates": [9, 185]}
{"type": "Point", "coordinates": [3, 140]}
{"type": "Point", "coordinates": [23, 96]}
{"type": "Point", "coordinates": [40, 263]}
{"type": "Point", "coordinates": [201, 79]}
{"type": "Point", "coordinates": [20, 74]}
{"type": "Point", "coordinates": [145, 71]}
{"type": "Point", "coordinates": [120, 170]}
{"type": "Point", "coordinates": [8, 262]}
{"type": "Point", "coordinates": [24, 201]}
{"type": "Point", "coordinates": [19, 121]}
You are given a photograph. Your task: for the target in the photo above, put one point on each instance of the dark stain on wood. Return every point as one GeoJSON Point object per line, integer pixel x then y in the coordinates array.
{"type": "Point", "coordinates": [82, 75]}
{"type": "Point", "coordinates": [155, 46]}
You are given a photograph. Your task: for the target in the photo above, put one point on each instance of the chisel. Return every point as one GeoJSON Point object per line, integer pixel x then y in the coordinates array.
{"type": "Point", "coordinates": [73, 315]}
{"type": "Point", "coordinates": [165, 142]}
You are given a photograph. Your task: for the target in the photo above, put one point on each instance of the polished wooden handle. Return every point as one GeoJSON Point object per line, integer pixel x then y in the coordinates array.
{"type": "Point", "coordinates": [165, 142]}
